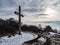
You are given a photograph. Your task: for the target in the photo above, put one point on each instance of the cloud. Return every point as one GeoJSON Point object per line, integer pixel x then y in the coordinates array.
{"type": "Point", "coordinates": [55, 4]}
{"type": "Point", "coordinates": [33, 10]}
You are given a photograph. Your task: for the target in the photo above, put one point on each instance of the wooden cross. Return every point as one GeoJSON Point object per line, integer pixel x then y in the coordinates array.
{"type": "Point", "coordinates": [19, 14]}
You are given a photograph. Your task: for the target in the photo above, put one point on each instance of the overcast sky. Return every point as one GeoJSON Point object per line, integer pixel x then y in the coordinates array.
{"type": "Point", "coordinates": [34, 11]}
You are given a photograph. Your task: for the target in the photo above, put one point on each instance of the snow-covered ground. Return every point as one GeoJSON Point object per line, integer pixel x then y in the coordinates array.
{"type": "Point", "coordinates": [17, 39]}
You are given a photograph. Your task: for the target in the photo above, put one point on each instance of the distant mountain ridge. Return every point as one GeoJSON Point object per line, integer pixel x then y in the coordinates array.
{"type": "Point", "coordinates": [55, 22]}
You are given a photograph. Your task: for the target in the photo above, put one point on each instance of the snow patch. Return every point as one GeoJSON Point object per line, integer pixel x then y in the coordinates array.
{"type": "Point", "coordinates": [42, 39]}
{"type": "Point", "coordinates": [17, 39]}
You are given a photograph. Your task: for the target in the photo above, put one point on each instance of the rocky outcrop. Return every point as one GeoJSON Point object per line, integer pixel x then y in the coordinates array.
{"type": "Point", "coordinates": [33, 41]}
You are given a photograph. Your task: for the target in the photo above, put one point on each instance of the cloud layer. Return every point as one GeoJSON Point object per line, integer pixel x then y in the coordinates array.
{"type": "Point", "coordinates": [34, 10]}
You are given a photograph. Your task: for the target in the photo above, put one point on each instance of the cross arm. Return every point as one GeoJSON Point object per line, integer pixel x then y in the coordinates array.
{"type": "Point", "coordinates": [18, 14]}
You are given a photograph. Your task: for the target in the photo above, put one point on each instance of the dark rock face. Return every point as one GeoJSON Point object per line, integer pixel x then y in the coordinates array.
{"type": "Point", "coordinates": [47, 42]}
{"type": "Point", "coordinates": [9, 26]}
{"type": "Point", "coordinates": [34, 41]}
{"type": "Point", "coordinates": [48, 29]}
{"type": "Point", "coordinates": [30, 28]}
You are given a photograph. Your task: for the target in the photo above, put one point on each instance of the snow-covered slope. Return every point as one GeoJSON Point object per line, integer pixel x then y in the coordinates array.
{"type": "Point", "coordinates": [17, 39]}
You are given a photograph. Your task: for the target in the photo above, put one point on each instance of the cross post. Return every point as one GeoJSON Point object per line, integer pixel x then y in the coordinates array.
{"type": "Point", "coordinates": [19, 17]}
